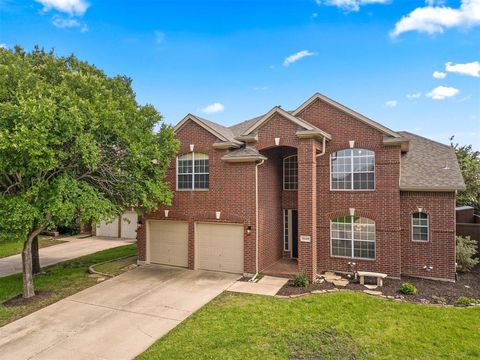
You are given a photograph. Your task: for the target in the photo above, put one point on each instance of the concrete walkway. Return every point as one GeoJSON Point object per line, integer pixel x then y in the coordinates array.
{"type": "Point", "coordinates": [74, 248]}
{"type": "Point", "coordinates": [267, 285]}
{"type": "Point", "coordinates": [117, 319]}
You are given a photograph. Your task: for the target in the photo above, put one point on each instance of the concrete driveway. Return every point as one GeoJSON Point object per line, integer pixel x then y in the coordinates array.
{"type": "Point", "coordinates": [73, 248]}
{"type": "Point", "coordinates": [117, 319]}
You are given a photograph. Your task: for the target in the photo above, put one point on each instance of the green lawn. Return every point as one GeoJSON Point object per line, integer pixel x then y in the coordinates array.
{"type": "Point", "coordinates": [114, 268]}
{"type": "Point", "coordinates": [339, 325]}
{"type": "Point", "coordinates": [10, 247]}
{"type": "Point", "coordinates": [60, 281]}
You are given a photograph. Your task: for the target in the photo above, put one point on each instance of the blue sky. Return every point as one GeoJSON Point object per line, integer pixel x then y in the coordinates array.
{"type": "Point", "coordinates": [232, 60]}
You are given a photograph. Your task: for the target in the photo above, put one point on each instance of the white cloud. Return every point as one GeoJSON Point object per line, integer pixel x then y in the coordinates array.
{"type": "Point", "coordinates": [391, 103]}
{"type": "Point", "coordinates": [3, 46]}
{"type": "Point", "coordinates": [213, 108]}
{"type": "Point", "coordinates": [71, 7]}
{"type": "Point", "coordinates": [435, 19]}
{"type": "Point", "coordinates": [442, 92]}
{"type": "Point", "coordinates": [439, 75]}
{"type": "Point", "coordinates": [159, 37]}
{"type": "Point", "coordinates": [297, 56]}
{"type": "Point", "coordinates": [471, 69]}
{"type": "Point", "coordinates": [67, 23]}
{"type": "Point", "coordinates": [351, 5]}
{"type": "Point", "coordinates": [414, 95]}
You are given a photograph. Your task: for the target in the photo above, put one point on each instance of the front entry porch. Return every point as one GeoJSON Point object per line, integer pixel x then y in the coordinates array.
{"type": "Point", "coordinates": [285, 268]}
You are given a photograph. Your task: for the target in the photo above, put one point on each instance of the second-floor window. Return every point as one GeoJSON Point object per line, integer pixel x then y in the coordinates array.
{"type": "Point", "coordinates": [419, 226]}
{"type": "Point", "coordinates": [192, 172]}
{"type": "Point", "coordinates": [352, 169]}
{"type": "Point", "coordinates": [290, 173]}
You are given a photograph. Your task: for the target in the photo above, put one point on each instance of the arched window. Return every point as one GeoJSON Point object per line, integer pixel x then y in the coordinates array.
{"type": "Point", "coordinates": [419, 226]}
{"type": "Point", "coordinates": [352, 169]}
{"type": "Point", "coordinates": [290, 173]}
{"type": "Point", "coordinates": [353, 237]}
{"type": "Point", "coordinates": [192, 171]}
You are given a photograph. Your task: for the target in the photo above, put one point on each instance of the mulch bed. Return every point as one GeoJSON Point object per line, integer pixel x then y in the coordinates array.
{"type": "Point", "coordinates": [20, 301]}
{"type": "Point", "coordinates": [428, 291]}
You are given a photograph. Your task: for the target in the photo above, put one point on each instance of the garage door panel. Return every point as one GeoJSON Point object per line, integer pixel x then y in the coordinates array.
{"type": "Point", "coordinates": [168, 242]}
{"type": "Point", "coordinates": [129, 225]}
{"type": "Point", "coordinates": [219, 247]}
{"type": "Point", "coordinates": [108, 229]}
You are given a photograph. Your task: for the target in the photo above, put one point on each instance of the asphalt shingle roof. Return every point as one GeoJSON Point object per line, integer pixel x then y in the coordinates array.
{"type": "Point", "coordinates": [429, 165]}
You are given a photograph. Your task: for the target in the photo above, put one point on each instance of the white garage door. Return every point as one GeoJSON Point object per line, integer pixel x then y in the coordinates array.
{"type": "Point", "coordinates": [108, 229]}
{"type": "Point", "coordinates": [219, 247]}
{"type": "Point", "coordinates": [129, 225]}
{"type": "Point", "coordinates": [168, 242]}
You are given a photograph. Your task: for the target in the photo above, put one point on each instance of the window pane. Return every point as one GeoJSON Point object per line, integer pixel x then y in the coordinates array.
{"type": "Point", "coordinates": [290, 173]}
{"type": "Point", "coordinates": [364, 249]}
{"type": "Point", "coordinates": [184, 181]}
{"type": "Point", "coordinates": [360, 231]}
{"type": "Point", "coordinates": [353, 169]}
{"type": "Point", "coordinates": [341, 247]}
{"type": "Point", "coordinates": [201, 181]}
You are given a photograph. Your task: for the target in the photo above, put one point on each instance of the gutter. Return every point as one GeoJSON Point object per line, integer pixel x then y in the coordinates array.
{"type": "Point", "coordinates": [256, 220]}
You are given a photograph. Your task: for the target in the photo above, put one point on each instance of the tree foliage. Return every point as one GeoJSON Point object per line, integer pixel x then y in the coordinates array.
{"type": "Point", "coordinates": [469, 161]}
{"type": "Point", "coordinates": [74, 143]}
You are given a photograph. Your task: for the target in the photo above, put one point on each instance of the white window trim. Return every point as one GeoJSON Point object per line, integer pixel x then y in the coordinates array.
{"type": "Point", "coordinates": [428, 227]}
{"type": "Point", "coordinates": [352, 189]}
{"type": "Point", "coordinates": [353, 243]}
{"type": "Point", "coordinates": [285, 158]}
{"type": "Point", "coordinates": [193, 172]}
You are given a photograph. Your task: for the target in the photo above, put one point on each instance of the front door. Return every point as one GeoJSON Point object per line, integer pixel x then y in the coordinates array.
{"type": "Point", "coordinates": [294, 234]}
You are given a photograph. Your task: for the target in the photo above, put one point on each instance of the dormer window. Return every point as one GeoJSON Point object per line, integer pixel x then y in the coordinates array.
{"type": "Point", "coordinates": [192, 171]}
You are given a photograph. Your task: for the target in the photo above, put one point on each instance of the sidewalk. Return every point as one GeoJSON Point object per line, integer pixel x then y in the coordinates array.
{"type": "Point", "coordinates": [74, 248]}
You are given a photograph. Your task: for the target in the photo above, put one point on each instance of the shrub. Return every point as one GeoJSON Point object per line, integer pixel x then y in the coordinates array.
{"type": "Point", "coordinates": [300, 280]}
{"type": "Point", "coordinates": [466, 301]}
{"type": "Point", "coordinates": [408, 289]}
{"type": "Point", "coordinates": [466, 251]}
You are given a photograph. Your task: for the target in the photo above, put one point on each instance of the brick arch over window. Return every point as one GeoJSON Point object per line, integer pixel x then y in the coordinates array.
{"type": "Point", "coordinates": [346, 212]}
{"type": "Point", "coordinates": [353, 237]}
{"type": "Point", "coordinates": [352, 169]}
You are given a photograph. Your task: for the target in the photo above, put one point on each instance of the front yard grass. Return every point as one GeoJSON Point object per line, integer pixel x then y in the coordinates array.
{"type": "Point", "coordinates": [61, 280]}
{"type": "Point", "coordinates": [342, 325]}
{"type": "Point", "coordinates": [13, 247]}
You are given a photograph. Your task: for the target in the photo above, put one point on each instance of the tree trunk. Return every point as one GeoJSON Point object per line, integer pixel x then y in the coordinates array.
{"type": "Point", "coordinates": [28, 290]}
{"type": "Point", "coordinates": [36, 269]}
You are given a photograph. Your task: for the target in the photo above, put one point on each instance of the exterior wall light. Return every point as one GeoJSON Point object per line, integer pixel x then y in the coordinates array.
{"type": "Point", "coordinates": [249, 230]}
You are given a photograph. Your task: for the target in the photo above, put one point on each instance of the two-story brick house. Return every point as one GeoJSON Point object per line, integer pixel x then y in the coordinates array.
{"type": "Point", "coordinates": [321, 185]}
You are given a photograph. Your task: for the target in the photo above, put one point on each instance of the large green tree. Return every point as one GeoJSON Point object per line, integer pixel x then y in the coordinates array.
{"type": "Point", "coordinates": [74, 143]}
{"type": "Point", "coordinates": [469, 161]}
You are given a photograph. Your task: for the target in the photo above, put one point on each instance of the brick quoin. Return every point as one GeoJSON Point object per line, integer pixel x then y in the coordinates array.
{"type": "Point", "coordinates": [232, 191]}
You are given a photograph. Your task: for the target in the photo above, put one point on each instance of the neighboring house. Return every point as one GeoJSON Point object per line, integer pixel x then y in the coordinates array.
{"type": "Point", "coordinates": [321, 184]}
{"type": "Point", "coordinates": [125, 226]}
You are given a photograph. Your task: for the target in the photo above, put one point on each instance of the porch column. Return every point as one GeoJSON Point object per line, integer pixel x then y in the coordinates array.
{"type": "Point", "coordinates": [307, 207]}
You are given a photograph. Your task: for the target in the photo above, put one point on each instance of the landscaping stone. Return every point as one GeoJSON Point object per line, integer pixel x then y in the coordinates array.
{"type": "Point", "coordinates": [319, 291]}
{"type": "Point", "coordinates": [373, 292]}
{"type": "Point", "coordinates": [341, 282]}
{"type": "Point", "coordinates": [370, 287]}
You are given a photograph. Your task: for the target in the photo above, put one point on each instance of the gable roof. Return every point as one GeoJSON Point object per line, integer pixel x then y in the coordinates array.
{"type": "Point", "coordinates": [348, 111]}
{"type": "Point", "coordinates": [221, 132]}
{"type": "Point", "coordinates": [429, 166]}
{"type": "Point", "coordinates": [254, 125]}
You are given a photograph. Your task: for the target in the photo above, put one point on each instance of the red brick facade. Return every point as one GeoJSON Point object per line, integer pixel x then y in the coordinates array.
{"type": "Point", "coordinates": [232, 191]}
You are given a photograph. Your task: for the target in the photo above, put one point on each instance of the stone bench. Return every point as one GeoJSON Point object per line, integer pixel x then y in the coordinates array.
{"type": "Point", "coordinates": [379, 277]}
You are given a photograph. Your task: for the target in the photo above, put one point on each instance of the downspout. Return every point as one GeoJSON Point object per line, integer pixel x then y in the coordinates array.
{"type": "Point", "coordinates": [323, 148]}
{"type": "Point", "coordinates": [256, 220]}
